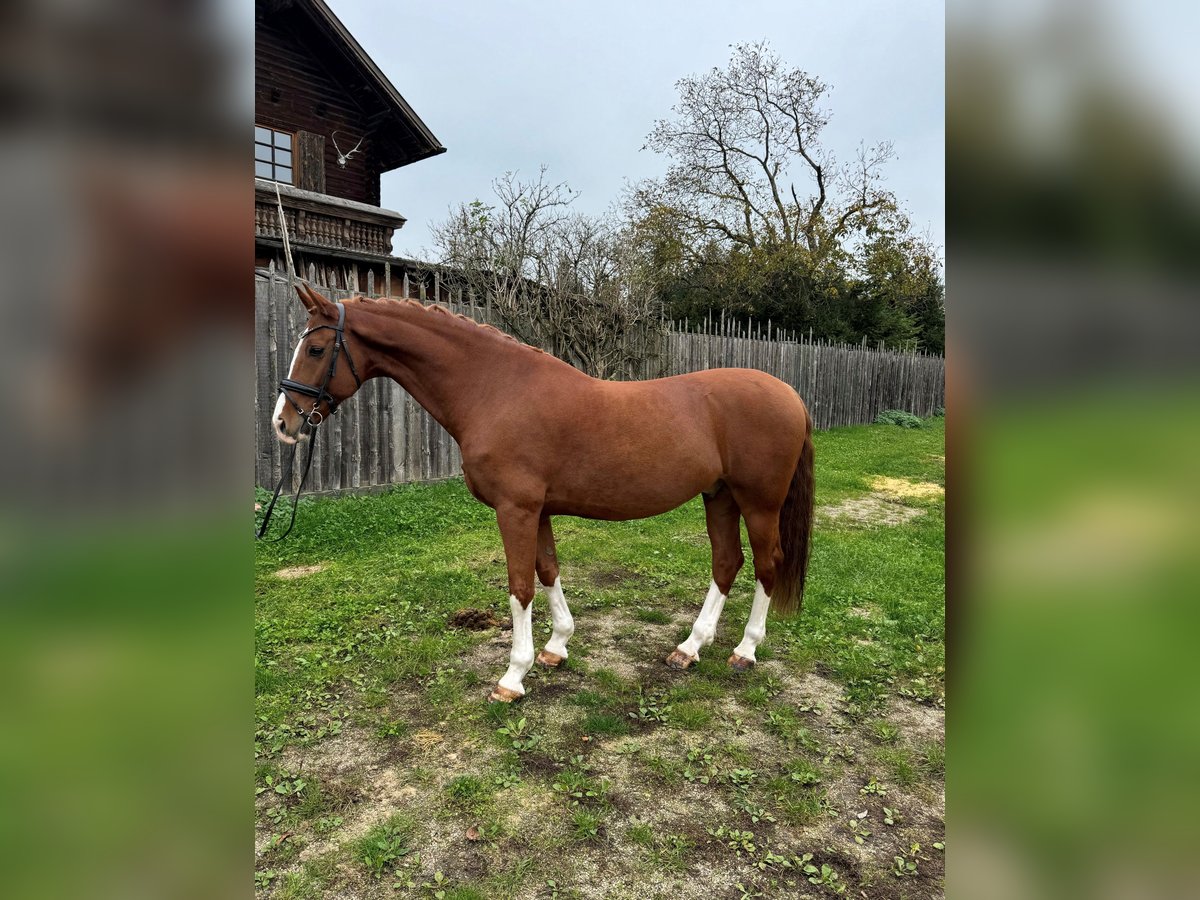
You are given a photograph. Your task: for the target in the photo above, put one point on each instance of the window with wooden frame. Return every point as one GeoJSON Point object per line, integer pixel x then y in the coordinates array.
{"type": "Point", "coordinates": [273, 155]}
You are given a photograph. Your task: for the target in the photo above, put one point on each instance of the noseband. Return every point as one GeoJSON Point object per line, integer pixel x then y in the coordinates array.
{"type": "Point", "coordinates": [312, 418]}
{"type": "Point", "coordinates": [287, 386]}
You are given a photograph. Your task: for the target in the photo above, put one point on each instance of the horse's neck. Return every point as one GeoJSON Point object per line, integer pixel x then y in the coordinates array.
{"type": "Point", "coordinates": [448, 365]}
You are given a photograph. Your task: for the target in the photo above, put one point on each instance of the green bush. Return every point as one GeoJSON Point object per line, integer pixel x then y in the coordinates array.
{"type": "Point", "coordinates": [897, 417]}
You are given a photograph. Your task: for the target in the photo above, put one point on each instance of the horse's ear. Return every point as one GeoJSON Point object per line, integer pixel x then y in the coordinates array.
{"type": "Point", "coordinates": [314, 302]}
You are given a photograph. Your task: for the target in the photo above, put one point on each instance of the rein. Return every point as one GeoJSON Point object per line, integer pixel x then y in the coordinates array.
{"type": "Point", "coordinates": [312, 418]}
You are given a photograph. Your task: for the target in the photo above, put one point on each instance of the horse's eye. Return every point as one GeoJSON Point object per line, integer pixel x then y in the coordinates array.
{"type": "Point", "coordinates": [315, 351]}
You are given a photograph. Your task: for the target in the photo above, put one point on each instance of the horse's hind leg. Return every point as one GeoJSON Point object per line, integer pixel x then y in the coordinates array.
{"type": "Point", "coordinates": [763, 528]}
{"type": "Point", "coordinates": [721, 516]}
{"type": "Point", "coordinates": [547, 572]}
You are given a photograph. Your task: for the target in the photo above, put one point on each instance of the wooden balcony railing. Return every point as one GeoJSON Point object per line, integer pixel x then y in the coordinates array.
{"type": "Point", "coordinates": [325, 222]}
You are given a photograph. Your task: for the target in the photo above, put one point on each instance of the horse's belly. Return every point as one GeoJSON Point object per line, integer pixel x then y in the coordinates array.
{"type": "Point", "coordinates": [617, 490]}
{"type": "Point", "coordinates": [616, 507]}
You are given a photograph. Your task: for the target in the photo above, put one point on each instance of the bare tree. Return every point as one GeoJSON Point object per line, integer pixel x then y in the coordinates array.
{"type": "Point", "coordinates": [572, 284]}
{"type": "Point", "coordinates": [747, 167]}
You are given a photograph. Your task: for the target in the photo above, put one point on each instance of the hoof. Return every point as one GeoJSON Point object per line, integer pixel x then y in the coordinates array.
{"type": "Point", "coordinates": [679, 660]}
{"type": "Point", "coordinates": [550, 660]}
{"type": "Point", "coordinates": [501, 694]}
{"type": "Point", "coordinates": [740, 663]}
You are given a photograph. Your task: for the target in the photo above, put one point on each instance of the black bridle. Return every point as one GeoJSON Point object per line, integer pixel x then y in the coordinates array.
{"type": "Point", "coordinates": [312, 418]}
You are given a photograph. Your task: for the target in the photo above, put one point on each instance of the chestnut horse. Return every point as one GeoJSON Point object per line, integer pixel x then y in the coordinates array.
{"type": "Point", "coordinates": [540, 439]}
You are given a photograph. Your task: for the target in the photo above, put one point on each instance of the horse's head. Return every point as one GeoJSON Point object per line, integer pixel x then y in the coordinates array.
{"type": "Point", "coordinates": [323, 372]}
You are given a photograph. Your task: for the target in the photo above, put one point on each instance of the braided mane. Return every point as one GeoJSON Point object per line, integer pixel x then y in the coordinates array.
{"type": "Point", "coordinates": [437, 308]}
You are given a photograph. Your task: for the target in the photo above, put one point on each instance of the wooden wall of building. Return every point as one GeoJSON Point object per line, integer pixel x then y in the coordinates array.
{"type": "Point", "coordinates": [299, 85]}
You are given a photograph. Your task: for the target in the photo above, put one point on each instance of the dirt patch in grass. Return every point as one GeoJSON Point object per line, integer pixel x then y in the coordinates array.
{"type": "Point", "coordinates": [292, 572]}
{"type": "Point", "coordinates": [474, 619]}
{"type": "Point", "coordinates": [867, 512]}
{"type": "Point", "coordinates": [610, 576]}
{"type": "Point", "coordinates": [887, 504]}
{"type": "Point", "coordinates": [917, 721]}
{"type": "Point", "coordinates": [903, 489]}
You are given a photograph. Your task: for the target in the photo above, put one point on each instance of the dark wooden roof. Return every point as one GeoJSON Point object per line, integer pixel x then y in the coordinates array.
{"type": "Point", "coordinates": [399, 135]}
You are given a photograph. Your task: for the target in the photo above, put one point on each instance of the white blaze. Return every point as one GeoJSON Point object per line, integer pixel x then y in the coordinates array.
{"type": "Point", "coordinates": [521, 657]}
{"type": "Point", "coordinates": [705, 628]}
{"type": "Point", "coordinates": [756, 628]}
{"type": "Point", "coordinates": [275, 417]}
{"type": "Point", "coordinates": [564, 625]}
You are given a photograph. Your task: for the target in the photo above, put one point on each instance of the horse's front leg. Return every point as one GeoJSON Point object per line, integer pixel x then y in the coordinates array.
{"type": "Point", "coordinates": [518, 529]}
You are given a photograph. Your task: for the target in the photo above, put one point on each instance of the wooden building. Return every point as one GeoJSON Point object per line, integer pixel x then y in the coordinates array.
{"type": "Point", "coordinates": [327, 124]}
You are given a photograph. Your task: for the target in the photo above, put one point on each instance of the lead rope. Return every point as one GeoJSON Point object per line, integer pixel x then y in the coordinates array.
{"type": "Point", "coordinates": [283, 478]}
{"type": "Point", "coordinates": [286, 473]}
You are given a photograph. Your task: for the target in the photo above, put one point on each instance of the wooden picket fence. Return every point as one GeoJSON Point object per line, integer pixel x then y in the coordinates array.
{"type": "Point", "coordinates": [382, 436]}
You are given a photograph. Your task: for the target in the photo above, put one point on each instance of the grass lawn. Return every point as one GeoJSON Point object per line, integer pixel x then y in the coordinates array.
{"type": "Point", "coordinates": [382, 771]}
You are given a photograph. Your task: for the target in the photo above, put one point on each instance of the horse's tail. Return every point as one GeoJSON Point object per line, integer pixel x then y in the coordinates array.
{"type": "Point", "coordinates": [795, 533]}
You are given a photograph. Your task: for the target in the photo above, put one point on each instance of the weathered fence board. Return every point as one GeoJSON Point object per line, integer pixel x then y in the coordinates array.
{"type": "Point", "coordinates": [382, 436]}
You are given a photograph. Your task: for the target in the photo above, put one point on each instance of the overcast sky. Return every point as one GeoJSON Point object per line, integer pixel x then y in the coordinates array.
{"type": "Point", "coordinates": [511, 84]}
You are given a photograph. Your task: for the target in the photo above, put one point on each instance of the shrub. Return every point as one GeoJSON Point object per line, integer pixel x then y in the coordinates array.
{"type": "Point", "coordinates": [897, 417]}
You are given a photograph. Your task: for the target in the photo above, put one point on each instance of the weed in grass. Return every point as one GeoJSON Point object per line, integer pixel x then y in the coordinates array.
{"type": "Point", "coordinates": [652, 707]}
{"type": "Point", "coordinates": [283, 784]}
{"type": "Point", "coordinates": [885, 732]}
{"type": "Point", "coordinates": [587, 824]}
{"type": "Point", "coordinates": [756, 812]}
{"type": "Point", "coordinates": [518, 734]}
{"type": "Point", "coordinates": [741, 842]}
{"type": "Point", "coordinates": [391, 729]}
{"type": "Point", "coordinates": [327, 824]}
{"type": "Point", "coordinates": [468, 792]}
{"type": "Point", "coordinates": [801, 772]}
{"type": "Point", "coordinates": [506, 780]}
{"type": "Point", "coordinates": [906, 866]}
{"type": "Point", "coordinates": [922, 690]}
{"type": "Point", "coordinates": [579, 788]}
{"type": "Point", "coordinates": [640, 832]}
{"type": "Point", "coordinates": [825, 876]}
{"type": "Point", "coordinates": [384, 845]}
{"type": "Point", "coordinates": [742, 777]}
{"type": "Point", "coordinates": [858, 828]}
{"type": "Point", "coordinates": [701, 766]}
{"type": "Point", "coordinates": [873, 788]}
